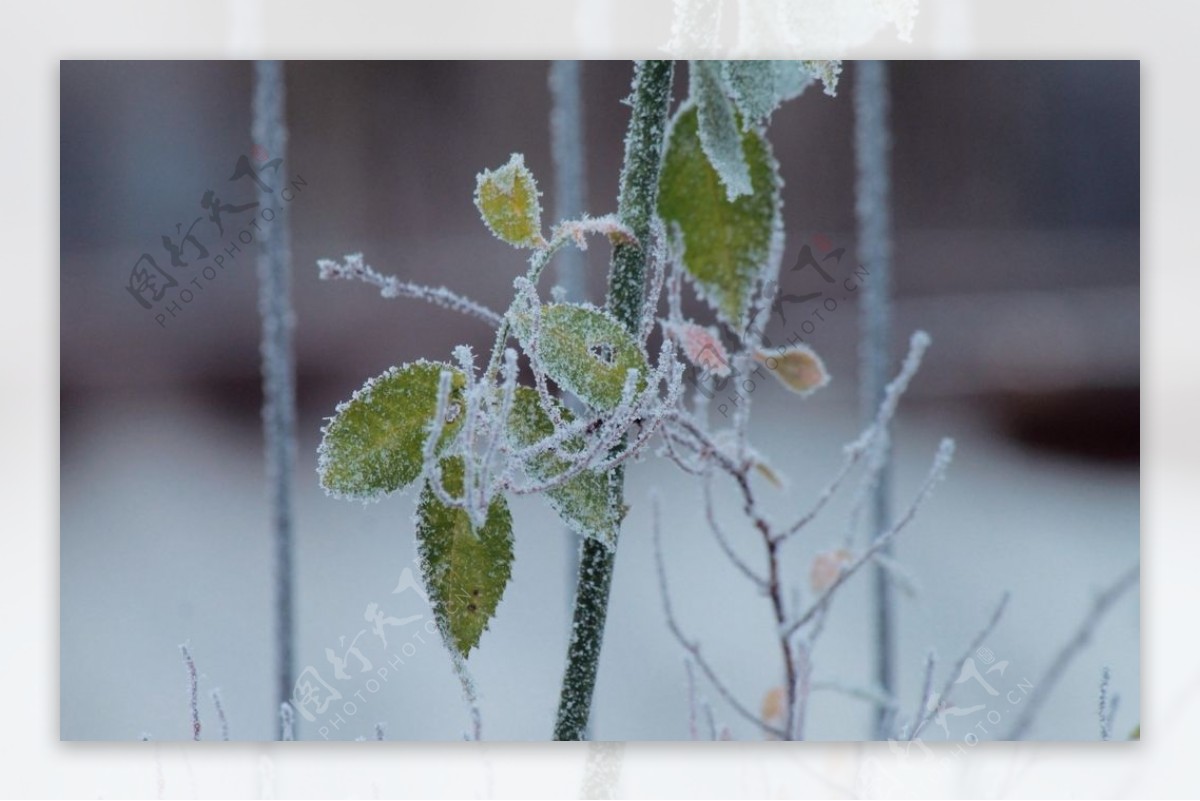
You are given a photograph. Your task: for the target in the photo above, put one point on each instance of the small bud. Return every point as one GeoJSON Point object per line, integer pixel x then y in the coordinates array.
{"type": "Point", "coordinates": [797, 367]}
{"type": "Point", "coordinates": [508, 200]}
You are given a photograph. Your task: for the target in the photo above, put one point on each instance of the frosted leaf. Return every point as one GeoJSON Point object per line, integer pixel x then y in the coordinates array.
{"type": "Point", "coordinates": [374, 443]}
{"type": "Point", "coordinates": [828, 71]}
{"type": "Point", "coordinates": [759, 87]}
{"type": "Point", "coordinates": [582, 502]}
{"type": "Point", "coordinates": [585, 351]}
{"type": "Point", "coordinates": [507, 198]}
{"type": "Point", "coordinates": [720, 134]}
{"type": "Point", "coordinates": [727, 246]}
{"type": "Point", "coordinates": [826, 567]}
{"type": "Point", "coordinates": [768, 472]}
{"type": "Point", "coordinates": [797, 367]}
{"type": "Point", "coordinates": [702, 347]}
{"type": "Point", "coordinates": [466, 568]}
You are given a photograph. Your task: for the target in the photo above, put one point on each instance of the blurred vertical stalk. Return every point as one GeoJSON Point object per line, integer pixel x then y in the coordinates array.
{"type": "Point", "coordinates": [570, 189]}
{"type": "Point", "coordinates": [872, 143]}
{"type": "Point", "coordinates": [269, 132]}
{"type": "Point", "coordinates": [626, 290]}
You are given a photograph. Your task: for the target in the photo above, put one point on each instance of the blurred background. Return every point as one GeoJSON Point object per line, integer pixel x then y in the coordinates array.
{"type": "Point", "coordinates": [1017, 248]}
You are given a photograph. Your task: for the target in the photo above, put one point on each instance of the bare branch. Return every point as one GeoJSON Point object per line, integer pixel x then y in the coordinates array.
{"type": "Point", "coordinates": [390, 286]}
{"type": "Point", "coordinates": [693, 649]}
{"type": "Point", "coordinates": [952, 677]}
{"type": "Point", "coordinates": [1041, 691]}
{"type": "Point", "coordinates": [936, 473]}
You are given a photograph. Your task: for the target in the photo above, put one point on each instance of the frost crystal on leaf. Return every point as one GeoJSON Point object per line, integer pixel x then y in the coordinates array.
{"type": "Point", "coordinates": [583, 349]}
{"type": "Point", "coordinates": [507, 198]}
{"type": "Point", "coordinates": [375, 442]}
{"type": "Point", "coordinates": [720, 134]}
{"type": "Point", "coordinates": [797, 367]}
{"type": "Point", "coordinates": [466, 568]}
{"type": "Point", "coordinates": [725, 246]}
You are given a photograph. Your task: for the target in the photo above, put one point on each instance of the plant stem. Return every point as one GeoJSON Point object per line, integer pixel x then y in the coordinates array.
{"type": "Point", "coordinates": [872, 143]}
{"type": "Point", "coordinates": [626, 288]}
{"type": "Point", "coordinates": [269, 131]}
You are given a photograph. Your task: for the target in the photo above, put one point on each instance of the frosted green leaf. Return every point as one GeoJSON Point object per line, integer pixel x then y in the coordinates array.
{"type": "Point", "coordinates": [466, 569]}
{"type": "Point", "coordinates": [727, 245]}
{"type": "Point", "coordinates": [582, 502]}
{"type": "Point", "coordinates": [720, 134]}
{"type": "Point", "coordinates": [375, 442]}
{"type": "Point", "coordinates": [585, 351]}
{"type": "Point", "coordinates": [759, 87]}
{"type": "Point", "coordinates": [507, 198]}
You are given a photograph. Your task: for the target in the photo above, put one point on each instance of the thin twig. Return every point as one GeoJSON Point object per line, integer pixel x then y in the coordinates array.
{"type": "Point", "coordinates": [193, 688]}
{"type": "Point", "coordinates": [353, 268]}
{"type": "Point", "coordinates": [936, 472]}
{"type": "Point", "coordinates": [216, 699]}
{"type": "Point", "coordinates": [693, 649]}
{"type": "Point", "coordinates": [953, 676]}
{"type": "Point", "coordinates": [1083, 635]}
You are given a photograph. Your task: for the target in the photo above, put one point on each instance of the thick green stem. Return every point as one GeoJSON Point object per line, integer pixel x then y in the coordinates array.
{"type": "Point", "coordinates": [626, 295]}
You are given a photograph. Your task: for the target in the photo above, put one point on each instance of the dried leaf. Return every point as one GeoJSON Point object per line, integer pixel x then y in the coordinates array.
{"type": "Point", "coordinates": [797, 367]}
{"type": "Point", "coordinates": [702, 347]}
{"type": "Point", "coordinates": [826, 567]}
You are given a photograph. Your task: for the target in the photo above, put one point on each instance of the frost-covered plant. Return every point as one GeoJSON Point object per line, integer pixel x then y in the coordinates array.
{"type": "Point", "coordinates": [699, 201]}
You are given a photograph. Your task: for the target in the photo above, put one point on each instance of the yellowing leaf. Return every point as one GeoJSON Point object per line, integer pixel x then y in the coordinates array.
{"type": "Point", "coordinates": [375, 442]}
{"type": "Point", "coordinates": [727, 245]}
{"type": "Point", "coordinates": [465, 569]}
{"type": "Point", "coordinates": [585, 351]}
{"type": "Point", "coordinates": [797, 367]}
{"type": "Point", "coordinates": [507, 198]}
{"type": "Point", "coordinates": [583, 501]}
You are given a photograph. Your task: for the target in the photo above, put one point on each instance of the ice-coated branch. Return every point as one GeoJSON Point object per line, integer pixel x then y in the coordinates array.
{"type": "Point", "coordinates": [873, 207]}
{"type": "Point", "coordinates": [352, 267]}
{"type": "Point", "coordinates": [927, 714]}
{"type": "Point", "coordinates": [1106, 707]}
{"type": "Point", "coordinates": [626, 295]}
{"type": "Point", "coordinates": [1082, 636]}
{"type": "Point", "coordinates": [216, 699]}
{"type": "Point", "coordinates": [269, 131]}
{"type": "Point", "coordinates": [193, 688]}
{"type": "Point", "coordinates": [937, 472]}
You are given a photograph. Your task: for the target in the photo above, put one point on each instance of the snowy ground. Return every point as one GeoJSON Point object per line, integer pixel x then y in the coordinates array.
{"type": "Point", "coordinates": [164, 539]}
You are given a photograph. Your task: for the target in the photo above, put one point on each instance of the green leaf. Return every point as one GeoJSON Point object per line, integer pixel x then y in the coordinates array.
{"type": "Point", "coordinates": [375, 442]}
{"type": "Point", "coordinates": [508, 200]}
{"type": "Point", "coordinates": [728, 246]}
{"type": "Point", "coordinates": [465, 569]}
{"type": "Point", "coordinates": [583, 501]}
{"type": "Point", "coordinates": [720, 134]}
{"type": "Point", "coordinates": [585, 350]}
